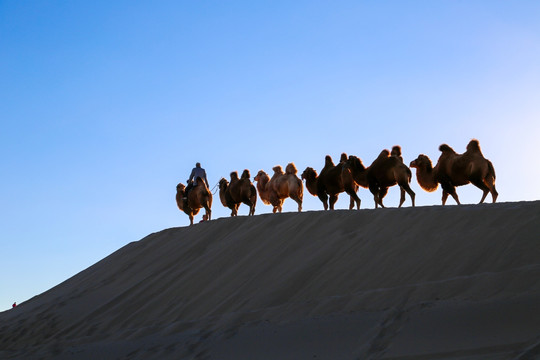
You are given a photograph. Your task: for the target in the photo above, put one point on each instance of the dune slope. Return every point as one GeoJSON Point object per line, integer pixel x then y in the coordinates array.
{"type": "Point", "coordinates": [456, 282]}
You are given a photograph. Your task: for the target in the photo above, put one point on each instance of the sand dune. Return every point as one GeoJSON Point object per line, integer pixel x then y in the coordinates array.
{"type": "Point", "coordinates": [457, 282]}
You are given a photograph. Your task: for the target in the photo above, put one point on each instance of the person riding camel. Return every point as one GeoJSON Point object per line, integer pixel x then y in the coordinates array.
{"type": "Point", "coordinates": [197, 172]}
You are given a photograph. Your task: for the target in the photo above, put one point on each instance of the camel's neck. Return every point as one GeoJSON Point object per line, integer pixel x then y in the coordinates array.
{"type": "Point", "coordinates": [311, 185]}
{"type": "Point", "coordinates": [262, 189]}
{"type": "Point", "coordinates": [222, 197]}
{"type": "Point", "coordinates": [261, 184]}
{"type": "Point", "coordinates": [360, 176]}
{"type": "Point", "coordinates": [426, 178]}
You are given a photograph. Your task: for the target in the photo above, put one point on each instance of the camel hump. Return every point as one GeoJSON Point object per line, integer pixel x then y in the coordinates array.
{"type": "Point", "coordinates": [396, 150]}
{"type": "Point", "coordinates": [234, 175]}
{"type": "Point", "coordinates": [328, 160]}
{"type": "Point", "coordinates": [278, 169]}
{"type": "Point", "coordinates": [445, 148]}
{"type": "Point", "coordinates": [246, 174]}
{"type": "Point", "coordinates": [474, 145]}
{"type": "Point", "coordinates": [384, 154]}
{"type": "Point", "coordinates": [343, 157]}
{"type": "Point", "coordinates": [291, 169]}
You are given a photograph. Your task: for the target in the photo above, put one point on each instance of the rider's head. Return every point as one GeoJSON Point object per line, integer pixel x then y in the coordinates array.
{"type": "Point", "coordinates": [198, 164]}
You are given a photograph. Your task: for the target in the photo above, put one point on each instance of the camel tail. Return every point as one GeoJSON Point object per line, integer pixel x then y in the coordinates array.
{"type": "Point", "coordinates": [491, 169]}
{"type": "Point", "coordinates": [409, 173]}
{"type": "Point", "coordinates": [445, 147]}
{"type": "Point", "coordinates": [300, 188]}
{"type": "Point", "coordinates": [291, 169]}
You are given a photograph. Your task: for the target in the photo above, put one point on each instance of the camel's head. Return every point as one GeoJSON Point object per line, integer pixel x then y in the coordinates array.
{"type": "Point", "coordinates": [355, 162]}
{"type": "Point", "coordinates": [309, 174]}
{"type": "Point", "coordinates": [261, 174]}
{"type": "Point", "coordinates": [234, 175]}
{"type": "Point", "coordinates": [246, 174]}
{"type": "Point", "coordinates": [180, 188]}
{"type": "Point", "coordinates": [421, 162]}
{"type": "Point", "coordinates": [223, 183]}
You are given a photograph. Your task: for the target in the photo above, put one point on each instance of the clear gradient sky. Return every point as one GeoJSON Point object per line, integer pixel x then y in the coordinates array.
{"type": "Point", "coordinates": [106, 105]}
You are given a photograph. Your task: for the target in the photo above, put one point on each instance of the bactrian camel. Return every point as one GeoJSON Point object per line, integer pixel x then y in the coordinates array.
{"type": "Point", "coordinates": [386, 170]}
{"type": "Point", "coordinates": [238, 191]}
{"type": "Point", "coordinates": [273, 191]}
{"type": "Point", "coordinates": [199, 197]}
{"type": "Point", "coordinates": [455, 169]}
{"type": "Point", "coordinates": [333, 180]}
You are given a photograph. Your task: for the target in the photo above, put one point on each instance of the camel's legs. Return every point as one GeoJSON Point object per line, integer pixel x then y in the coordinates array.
{"type": "Point", "coordinates": [479, 183]}
{"type": "Point", "coordinates": [333, 199]}
{"type": "Point", "coordinates": [298, 200]}
{"type": "Point", "coordinates": [455, 196]}
{"type": "Point", "coordinates": [355, 200]}
{"type": "Point", "coordinates": [324, 198]}
{"type": "Point", "coordinates": [402, 197]}
{"type": "Point", "coordinates": [406, 188]}
{"type": "Point", "coordinates": [382, 194]}
{"type": "Point", "coordinates": [494, 193]}
{"type": "Point", "coordinates": [376, 200]}
{"type": "Point", "coordinates": [490, 183]}
{"type": "Point", "coordinates": [248, 203]}
{"type": "Point", "coordinates": [444, 197]}
{"type": "Point", "coordinates": [351, 203]}
{"type": "Point", "coordinates": [449, 189]}
{"type": "Point", "coordinates": [484, 194]}
{"type": "Point", "coordinates": [374, 189]}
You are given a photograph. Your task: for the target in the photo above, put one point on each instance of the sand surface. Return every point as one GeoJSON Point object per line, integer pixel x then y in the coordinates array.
{"type": "Point", "coordinates": [455, 282]}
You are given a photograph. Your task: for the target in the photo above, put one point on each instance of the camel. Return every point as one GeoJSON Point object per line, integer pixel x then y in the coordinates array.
{"type": "Point", "coordinates": [273, 191]}
{"type": "Point", "coordinates": [199, 197]}
{"type": "Point", "coordinates": [333, 180]}
{"type": "Point", "coordinates": [225, 197]}
{"type": "Point", "coordinates": [237, 192]}
{"type": "Point", "coordinates": [454, 169]}
{"type": "Point", "coordinates": [386, 170]}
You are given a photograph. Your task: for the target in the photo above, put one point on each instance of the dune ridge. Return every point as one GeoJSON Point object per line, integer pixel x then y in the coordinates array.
{"type": "Point", "coordinates": [456, 282]}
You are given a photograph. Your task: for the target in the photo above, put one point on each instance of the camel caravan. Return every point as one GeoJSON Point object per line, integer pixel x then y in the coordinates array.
{"type": "Point", "coordinates": [387, 170]}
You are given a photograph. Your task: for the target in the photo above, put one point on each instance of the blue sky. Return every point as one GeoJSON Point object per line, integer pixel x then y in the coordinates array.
{"type": "Point", "coordinates": [106, 106]}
